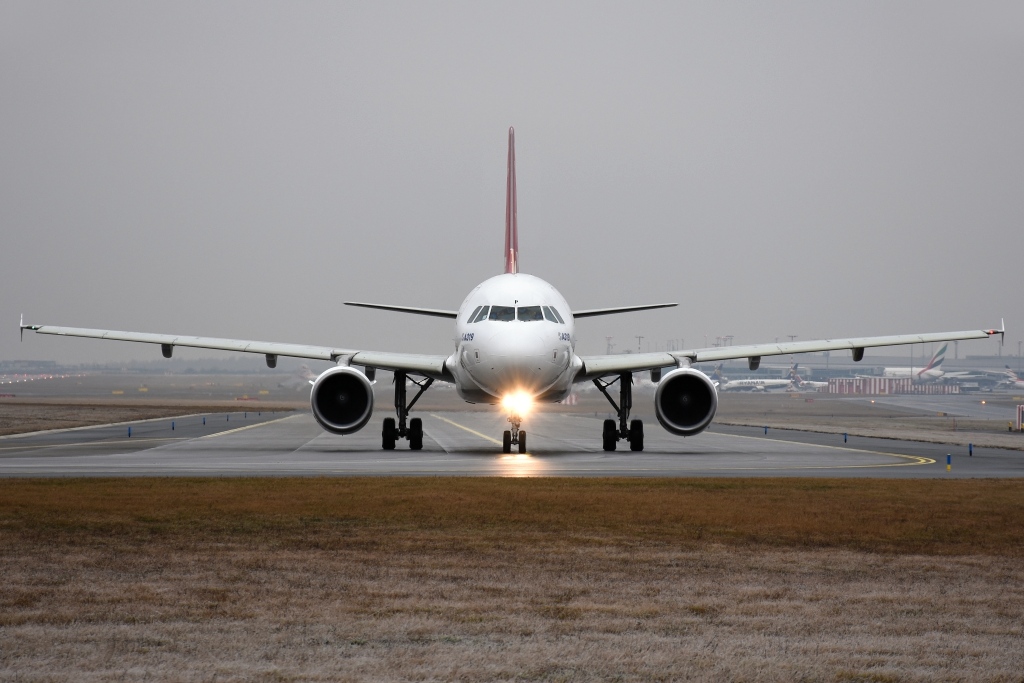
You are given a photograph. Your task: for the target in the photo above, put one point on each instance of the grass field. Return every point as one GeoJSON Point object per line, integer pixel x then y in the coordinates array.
{"type": "Point", "coordinates": [550, 579]}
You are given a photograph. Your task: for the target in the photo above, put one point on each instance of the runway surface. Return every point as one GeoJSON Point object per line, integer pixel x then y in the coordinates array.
{"type": "Point", "coordinates": [468, 443]}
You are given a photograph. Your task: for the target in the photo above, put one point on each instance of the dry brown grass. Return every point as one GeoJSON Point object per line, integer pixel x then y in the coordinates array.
{"type": "Point", "coordinates": [472, 579]}
{"type": "Point", "coordinates": [914, 516]}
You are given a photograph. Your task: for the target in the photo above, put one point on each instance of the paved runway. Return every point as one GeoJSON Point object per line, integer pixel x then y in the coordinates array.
{"type": "Point", "coordinates": [467, 443]}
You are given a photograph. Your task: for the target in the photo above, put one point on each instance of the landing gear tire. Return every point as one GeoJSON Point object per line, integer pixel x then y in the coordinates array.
{"type": "Point", "coordinates": [522, 441]}
{"type": "Point", "coordinates": [615, 430]}
{"type": "Point", "coordinates": [609, 435]}
{"type": "Point", "coordinates": [389, 434]}
{"type": "Point", "coordinates": [506, 441]}
{"type": "Point", "coordinates": [415, 434]}
{"type": "Point", "coordinates": [636, 435]}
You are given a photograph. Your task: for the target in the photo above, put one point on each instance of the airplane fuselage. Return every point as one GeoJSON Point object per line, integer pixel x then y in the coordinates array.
{"type": "Point", "coordinates": [514, 333]}
{"type": "Point", "coordinates": [755, 384]}
{"type": "Point", "coordinates": [921, 375]}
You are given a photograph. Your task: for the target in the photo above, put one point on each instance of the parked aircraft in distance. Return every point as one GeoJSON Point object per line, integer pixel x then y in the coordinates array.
{"type": "Point", "coordinates": [1012, 381]}
{"type": "Point", "coordinates": [983, 379]}
{"type": "Point", "coordinates": [515, 345]}
{"type": "Point", "coordinates": [929, 373]}
{"type": "Point", "coordinates": [756, 384]}
{"type": "Point", "coordinates": [299, 380]}
{"type": "Point", "coordinates": [802, 384]}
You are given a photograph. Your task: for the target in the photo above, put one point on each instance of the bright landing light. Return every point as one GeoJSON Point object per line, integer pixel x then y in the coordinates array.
{"type": "Point", "coordinates": [517, 403]}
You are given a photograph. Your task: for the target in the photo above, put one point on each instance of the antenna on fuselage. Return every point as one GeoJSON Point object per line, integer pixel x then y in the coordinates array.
{"type": "Point", "coordinates": [511, 223]}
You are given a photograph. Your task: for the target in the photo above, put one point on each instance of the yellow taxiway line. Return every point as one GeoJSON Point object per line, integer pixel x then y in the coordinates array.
{"type": "Point", "coordinates": [915, 459]}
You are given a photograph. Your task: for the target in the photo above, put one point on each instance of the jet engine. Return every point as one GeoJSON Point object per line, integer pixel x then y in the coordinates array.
{"type": "Point", "coordinates": [342, 400]}
{"type": "Point", "coordinates": [685, 401]}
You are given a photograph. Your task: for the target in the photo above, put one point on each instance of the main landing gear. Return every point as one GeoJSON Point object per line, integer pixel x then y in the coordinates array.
{"type": "Point", "coordinates": [612, 433]}
{"type": "Point", "coordinates": [513, 436]}
{"type": "Point", "coordinates": [391, 432]}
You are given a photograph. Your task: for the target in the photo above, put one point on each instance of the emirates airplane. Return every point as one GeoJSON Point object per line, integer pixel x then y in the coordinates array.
{"type": "Point", "coordinates": [515, 344]}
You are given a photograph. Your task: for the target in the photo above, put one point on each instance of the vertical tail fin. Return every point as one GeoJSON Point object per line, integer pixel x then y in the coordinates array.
{"type": "Point", "coordinates": [511, 223]}
{"type": "Point", "coordinates": [936, 361]}
{"type": "Point", "coordinates": [717, 374]}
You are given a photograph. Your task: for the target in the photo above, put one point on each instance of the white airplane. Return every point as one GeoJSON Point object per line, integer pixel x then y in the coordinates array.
{"type": "Point", "coordinates": [1012, 381]}
{"type": "Point", "coordinates": [801, 384]}
{"type": "Point", "coordinates": [929, 373]}
{"type": "Point", "coordinates": [515, 342]}
{"type": "Point", "coordinates": [300, 379]}
{"type": "Point", "coordinates": [756, 384]}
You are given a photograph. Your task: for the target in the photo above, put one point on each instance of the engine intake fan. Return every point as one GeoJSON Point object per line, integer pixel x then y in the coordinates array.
{"type": "Point", "coordinates": [685, 402]}
{"type": "Point", "coordinates": [342, 400]}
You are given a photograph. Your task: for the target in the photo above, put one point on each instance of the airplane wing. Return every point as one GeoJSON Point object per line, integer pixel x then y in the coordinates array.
{"type": "Point", "coordinates": [596, 366]}
{"type": "Point", "coordinates": [436, 312]}
{"type": "Point", "coordinates": [428, 365]}
{"type": "Point", "coordinates": [590, 312]}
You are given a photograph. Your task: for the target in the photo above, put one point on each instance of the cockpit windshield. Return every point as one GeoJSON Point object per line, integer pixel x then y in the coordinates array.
{"type": "Point", "coordinates": [502, 313]}
{"type": "Point", "coordinates": [524, 314]}
{"type": "Point", "coordinates": [529, 313]}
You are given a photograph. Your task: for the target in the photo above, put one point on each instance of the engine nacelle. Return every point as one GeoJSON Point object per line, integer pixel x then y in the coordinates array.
{"type": "Point", "coordinates": [685, 401]}
{"type": "Point", "coordinates": [342, 400]}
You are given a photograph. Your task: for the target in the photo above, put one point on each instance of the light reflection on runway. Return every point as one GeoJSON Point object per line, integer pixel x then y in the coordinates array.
{"type": "Point", "coordinates": [521, 465]}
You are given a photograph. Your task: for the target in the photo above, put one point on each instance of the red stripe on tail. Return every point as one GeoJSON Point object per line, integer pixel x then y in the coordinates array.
{"type": "Point", "coordinates": [511, 224]}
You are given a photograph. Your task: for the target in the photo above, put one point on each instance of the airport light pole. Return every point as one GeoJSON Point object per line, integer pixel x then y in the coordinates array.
{"type": "Point", "coordinates": [1018, 357]}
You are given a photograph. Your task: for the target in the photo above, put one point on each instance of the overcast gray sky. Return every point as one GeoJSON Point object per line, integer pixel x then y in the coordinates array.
{"type": "Point", "coordinates": [239, 169]}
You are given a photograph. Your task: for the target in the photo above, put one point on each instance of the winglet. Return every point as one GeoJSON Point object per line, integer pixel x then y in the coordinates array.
{"type": "Point", "coordinates": [1001, 331]}
{"type": "Point", "coordinates": [22, 327]}
{"type": "Point", "coordinates": [511, 223]}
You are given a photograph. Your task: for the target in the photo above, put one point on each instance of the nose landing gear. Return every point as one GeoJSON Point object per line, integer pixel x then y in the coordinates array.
{"type": "Point", "coordinates": [513, 436]}
{"type": "Point", "coordinates": [612, 433]}
{"type": "Point", "coordinates": [391, 432]}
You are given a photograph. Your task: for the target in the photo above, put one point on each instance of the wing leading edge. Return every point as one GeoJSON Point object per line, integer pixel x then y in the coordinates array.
{"type": "Point", "coordinates": [428, 365]}
{"type": "Point", "coordinates": [436, 312]}
{"type": "Point", "coordinates": [596, 366]}
{"type": "Point", "coordinates": [590, 312]}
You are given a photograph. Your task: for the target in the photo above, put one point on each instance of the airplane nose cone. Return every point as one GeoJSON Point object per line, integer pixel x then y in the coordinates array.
{"type": "Point", "coordinates": [516, 360]}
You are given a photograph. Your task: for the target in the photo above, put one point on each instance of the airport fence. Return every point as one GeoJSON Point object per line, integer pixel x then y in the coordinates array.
{"type": "Point", "coordinates": [884, 386]}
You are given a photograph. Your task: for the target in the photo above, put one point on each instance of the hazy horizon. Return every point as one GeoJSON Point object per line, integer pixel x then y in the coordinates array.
{"type": "Point", "coordinates": [240, 169]}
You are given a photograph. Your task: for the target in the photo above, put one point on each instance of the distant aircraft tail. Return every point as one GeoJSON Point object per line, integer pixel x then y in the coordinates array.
{"type": "Point", "coordinates": [794, 376]}
{"type": "Point", "coordinates": [511, 222]}
{"type": "Point", "coordinates": [936, 362]}
{"type": "Point", "coordinates": [717, 374]}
